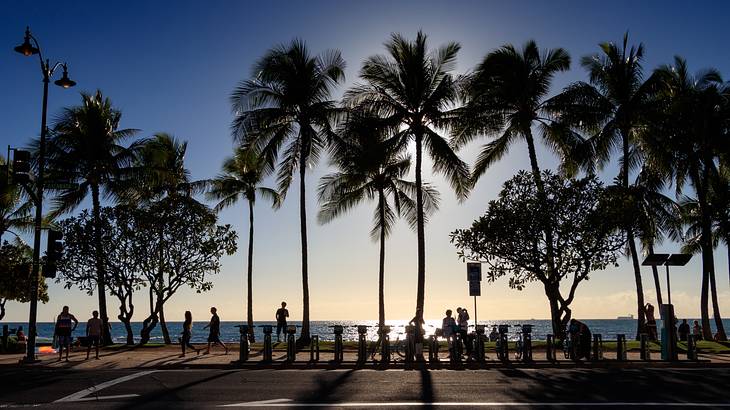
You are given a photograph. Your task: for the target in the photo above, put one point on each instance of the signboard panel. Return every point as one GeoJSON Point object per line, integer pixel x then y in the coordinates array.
{"type": "Point", "coordinates": [473, 271]}
{"type": "Point", "coordinates": [475, 288]}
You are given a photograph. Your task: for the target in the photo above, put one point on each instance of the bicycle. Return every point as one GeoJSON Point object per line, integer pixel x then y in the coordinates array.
{"type": "Point", "coordinates": [571, 346]}
{"type": "Point", "coordinates": [519, 346]}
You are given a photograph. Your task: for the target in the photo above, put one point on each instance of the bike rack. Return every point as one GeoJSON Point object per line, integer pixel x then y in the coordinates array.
{"type": "Point", "coordinates": [691, 347]}
{"type": "Point", "coordinates": [314, 349]}
{"type": "Point", "coordinates": [362, 348]}
{"type": "Point", "coordinates": [645, 352]}
{"type": "Point", "coordinates": [433, 349]}
{"type": "Point", "coordinates": [339, 355]}
{"type": "Point", "coordinates": [410, 344]}
{"type": "Point", "coordinates": [621, 347]}
{"type": "Point", "coordinates": [243, 347]}
{"type": "Point", "coordinates": [527, 343]}
{"type": "Point", "coordinates": [502, 347]}
{"type": "Point", "coordinates": [550, 348]}
{"type": "Point", "coordinates": [385, 347]}
{"type": "Point", "coordinates": [597, 347]}
{"type": "Point", "coordinates": [268, 350]}
{"type": "Point", "coordinates": [291, 345]}
{"type": "Point", "coordinates": [479, 344]}
{"type": "Point", "coordinates": [456, 349]}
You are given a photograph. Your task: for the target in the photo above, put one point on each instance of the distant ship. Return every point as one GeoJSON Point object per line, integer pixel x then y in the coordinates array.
{"type": "Point", "coordinates": [629, 317]}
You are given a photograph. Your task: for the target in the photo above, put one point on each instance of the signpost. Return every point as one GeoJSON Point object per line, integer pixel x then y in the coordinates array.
{"type": "Point", "coordinates": [474, 276]}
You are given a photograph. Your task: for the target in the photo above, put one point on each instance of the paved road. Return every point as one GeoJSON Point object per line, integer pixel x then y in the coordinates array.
{"type": "Point", "coordinates": [131, 389]}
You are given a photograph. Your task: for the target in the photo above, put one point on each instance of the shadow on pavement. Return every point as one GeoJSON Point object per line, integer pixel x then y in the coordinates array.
{"type": "Point", "coordinates": [325, 388]}
{"type": "Point", "coordinates": [170, 394]}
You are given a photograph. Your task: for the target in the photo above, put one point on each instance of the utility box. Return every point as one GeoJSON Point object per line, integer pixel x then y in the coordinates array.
{"type": "Point", "coordinates": [669, 332]}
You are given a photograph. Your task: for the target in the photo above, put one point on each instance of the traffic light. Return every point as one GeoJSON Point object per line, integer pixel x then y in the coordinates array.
{"type": "Point", "coordinates": [54, 252]}
{"type": "Point", "coordinates": [21, 166]}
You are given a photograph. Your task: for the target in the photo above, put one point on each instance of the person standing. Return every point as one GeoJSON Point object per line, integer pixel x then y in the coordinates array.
{"type": "Point", "coordinates": [651, 322]}
{"type": "Point", "coordinates": [214, 337]}
{"type": "Point", "coordinates": [187, 334]}
{"type": "Point", "coordinates": [65, 325]}
{"type": "Point", "coordinates": [463, 321]}
{"type": "Point", "coordinates": [449, 329]}
{"type": "Point", "coordinates": [683, 331]}
{"type": "Point", "coordinates": [281, 314]}
{"type": "Point", "coordinates": [93, 333]}
{"type": "Point", "coordinates": [697, 331]}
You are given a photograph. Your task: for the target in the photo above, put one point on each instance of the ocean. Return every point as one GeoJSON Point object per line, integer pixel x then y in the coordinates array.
{"type": "Point", "coordinates": [609, 328]}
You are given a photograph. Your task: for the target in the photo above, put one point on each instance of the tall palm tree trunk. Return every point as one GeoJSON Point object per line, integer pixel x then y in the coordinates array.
{"type": "Point", "coordinates": [641, 321]}
{"type": "Point", "coordinates": [655, 273]}
{"type": "Point", "coordinates": [100, 276]}
{"type": "Point", "coordinates": [381, 272]}
{"type": "Point", "coordinates": [304, 335]}
{"type": "Point", "coordinates": [249, 303]}
{"type": "Point", "coordinates": [552, 287]}
{"type": "Point", "coordinates": [420, 230]}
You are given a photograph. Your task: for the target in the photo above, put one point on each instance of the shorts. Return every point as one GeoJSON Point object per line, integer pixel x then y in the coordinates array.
{"type": "Point", "coordinates": [214, 339]}
{"type": "Point", "coordinates": [64, 340]}
{"type": "Point", "coordinates": [280, 327]}
{"type": "Point", "coordinates": [93, 340]}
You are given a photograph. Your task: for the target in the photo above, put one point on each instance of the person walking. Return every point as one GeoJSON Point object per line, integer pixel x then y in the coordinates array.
{"type": "Point", "coordinates": [93, 333]}
{"type": "Point", "coordinates": [697, 331]}
{"type": "Point", "coordinates": [281, 314]}
{"type": "Point", "coordinates": [214, 337]}
{"type": "Point", "coordinates": [187, 334]}
{"type": "Point", "coordinates": [65, 325]}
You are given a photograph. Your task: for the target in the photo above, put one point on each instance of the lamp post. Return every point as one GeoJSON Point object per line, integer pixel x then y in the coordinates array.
{"type": "Point", "coordinates": [30, 47]}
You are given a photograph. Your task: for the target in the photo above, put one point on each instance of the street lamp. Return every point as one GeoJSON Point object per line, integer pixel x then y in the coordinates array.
{"type": "Point", "coordinates": [30, 47]}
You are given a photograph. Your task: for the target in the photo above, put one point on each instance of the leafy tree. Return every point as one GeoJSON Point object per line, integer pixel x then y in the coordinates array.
{"type": "Point", "coordinates": [242, 178]}
{"type": "Point", "coordinates": [85, 154]}
{"type": "Point", "coordinates": [615, 107]}
{"type": "Point", "coordinates": [185, 234]}
{"type": "Point", "coordinates": [160, 162]}
{"type": "Point", "coordinates": [510, 237]}
{"type": "Point", "coordinates": [121, 258]}
{"type": "Point", "coordinates": [286, 108]}
{"type": "Point", "coordinates": [370, 167]}
{"type": "Point", "coordinates": [16, 259]}
{"type": "Point", "coordinates": [686, 145]}
{"type": "Point", "coordinates": [412, 90]}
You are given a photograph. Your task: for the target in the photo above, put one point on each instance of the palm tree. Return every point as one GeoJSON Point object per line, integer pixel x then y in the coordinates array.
{"type": "Point", "coordinates": [288, 103]}
{"type": "Point", "coordinates": [412, 90]}
{"type": "Point", "coordinates": [242, 177]}
{"type": "Point", "coordinates": [371, 167]}
{"type": "Point", "coordinates": [614, 107]}
{"type": "Point", "coordinates": [504, 98]}
{"type": "Point", "coordinates": [689, 140]}
{"type": "Point", "coordinates": [85, 154]}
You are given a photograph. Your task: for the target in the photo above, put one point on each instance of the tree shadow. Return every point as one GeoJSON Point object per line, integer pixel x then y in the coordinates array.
{"type": "Point", "coordinates": [427, 395]}
{"type": "Point", "coordinates": [325, 388]}
{"type": "Point", "coordinates": [168, 394]}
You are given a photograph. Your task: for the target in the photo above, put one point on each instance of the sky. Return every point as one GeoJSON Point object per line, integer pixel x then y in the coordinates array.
{"type": "Point", "coordinates": [170, 66]}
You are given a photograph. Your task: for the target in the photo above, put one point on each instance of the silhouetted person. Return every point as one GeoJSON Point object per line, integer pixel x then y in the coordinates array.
{"type": "Point", "coordinates": [462, 320]}
{"type": "Point", "coordinates": [418, 323]}
{"type": "Point", "coordinates": [214, 337]}
{"type": "Point", "coordinates": [281, 314]}
{"type": "Point", "coordinates": [65, 325]}
{"type": "Point", "coordinates": [494, 334]}
{"type": "Point", "coordinates": [187, 334]}
{"type": "Point", "coordinates": [581, 337]}
{"type": "Point", "coordinates": [697, 331]}
{"type": "Point", "coordinates": [650, 321]}
{"type": "Point", "coordinates": [683, 330]}
{"type": "Point", "coordinates": [93, 333]}
{"type": "Point", "coordinates": [20, 335]}
{"type": "Point", "coordinates": [449, 329]}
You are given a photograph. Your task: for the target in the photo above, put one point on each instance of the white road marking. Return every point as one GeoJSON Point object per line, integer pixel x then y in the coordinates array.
{"type": "Point", "coordinates": [279, 403]}
{"type": "Point", "coordinates": [81, 395]}
{"type": "Point", "coordinates": [116, 396]}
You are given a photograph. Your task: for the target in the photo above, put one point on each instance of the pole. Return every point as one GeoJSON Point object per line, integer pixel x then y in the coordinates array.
{"type": "Point", "coordinates": [476, 322]}
{"type": "Point", "coordinates": [669, 291]}
{"type": "Point", "coordinates": [32, 332]}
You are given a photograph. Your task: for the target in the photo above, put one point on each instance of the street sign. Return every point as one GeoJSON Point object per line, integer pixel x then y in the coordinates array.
{"type": "Point", "coordinates": [475, 288]}
{"type": "Point", "coordinates": [473, 271]}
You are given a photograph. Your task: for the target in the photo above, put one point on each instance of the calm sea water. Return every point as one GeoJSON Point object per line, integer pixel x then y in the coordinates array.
{"type": "Point", "coordinates": [229, 333]}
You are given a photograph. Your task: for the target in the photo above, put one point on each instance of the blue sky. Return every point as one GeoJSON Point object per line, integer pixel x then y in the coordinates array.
{"type": "Point", "coordinates": [170, 66]}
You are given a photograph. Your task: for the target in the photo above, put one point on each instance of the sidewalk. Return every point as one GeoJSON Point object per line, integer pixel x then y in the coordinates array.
{"type": "Point", "coordinates": [167, 357]}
